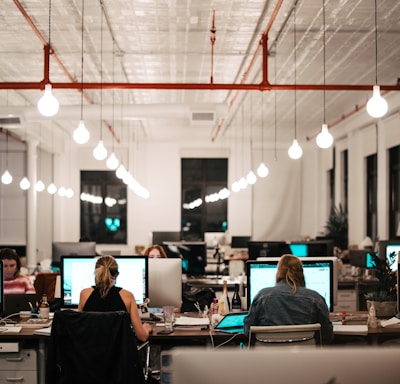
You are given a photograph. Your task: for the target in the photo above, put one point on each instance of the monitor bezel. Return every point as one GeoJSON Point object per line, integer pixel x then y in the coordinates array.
{"type": "Point", "coordinates": [308, 260]}
{"type": "Point", "coordinates": [117, 258]}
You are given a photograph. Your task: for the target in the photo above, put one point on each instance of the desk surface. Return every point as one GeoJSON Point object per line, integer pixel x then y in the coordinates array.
{"type": "Point", "coordinates": [355, 318]}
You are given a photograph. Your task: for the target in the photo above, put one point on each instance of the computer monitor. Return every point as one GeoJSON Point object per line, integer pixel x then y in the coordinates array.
{"type": "Point", "coordinates": [320, 274]}
{"type": "Point", "coordinates": [165, 282]}
{"type": "Point", "coordinates": [160, 237]}
{"type": "Point", "coordinates": [369, 259]}
{"type": "Point", "coordinates": [77, 272]}
{"type": "Point", "coordinates": [299, 249]}
{"type": "Point", "coordinates": [1, 289]}
{"type": "Point", "coordinates": [213, 239]}
{"type": "Point", "coordinates": [240, 241]}
{"type": "Point", "coordinates": [318, 248]}
{"type": "Point", "coordinates": [389, 250]}
{"type": "Point", "coordinates": [192, 254]}
{"type": "Point", "coordinates": [267, 249]}
{"type": "Point", "coordinates": [69, 248]}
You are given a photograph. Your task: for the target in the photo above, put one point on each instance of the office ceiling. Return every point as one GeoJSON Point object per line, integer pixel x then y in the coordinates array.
{"type": "Point", "coordinates": [152, 67]}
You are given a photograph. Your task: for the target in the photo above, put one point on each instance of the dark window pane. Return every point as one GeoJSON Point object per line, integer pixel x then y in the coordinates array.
{"type": "Point", "coordinates": [103, 217]}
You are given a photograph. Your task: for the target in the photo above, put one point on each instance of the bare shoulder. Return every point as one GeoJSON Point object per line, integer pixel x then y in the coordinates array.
{"type": "Point", "coordinates": [126, 295]}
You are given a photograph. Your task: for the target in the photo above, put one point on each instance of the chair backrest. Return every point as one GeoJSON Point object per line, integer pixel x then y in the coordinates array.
{"type": "Point", "coordinates": [92, 347]}
{"type": "Point", "coordinates": [285, 335]}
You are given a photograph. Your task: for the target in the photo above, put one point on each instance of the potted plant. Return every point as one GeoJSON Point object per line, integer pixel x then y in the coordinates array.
{"type": "Point", "coordinates": [336, 227]}
{"type": "Point", "coordinates": [384, 297]}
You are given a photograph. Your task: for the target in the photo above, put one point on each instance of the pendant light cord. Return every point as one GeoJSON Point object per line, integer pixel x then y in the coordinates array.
{"type": "Point", "coordinates": [295, 70]}
{"type": "Point", "coordinates": [324, 26]}
{"type": "Point", "coordinates": [376, 43]}
{"type": "Point", "coordinates": [83, 10]}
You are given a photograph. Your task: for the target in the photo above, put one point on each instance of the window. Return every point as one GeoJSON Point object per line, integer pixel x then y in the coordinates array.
{"type": "Point", "coordinates": [394, 191]}
{"type": "Point", "coordinates": [103, 207]}
{"type": "Point", "coordinates": [202, 177]}
{"type": "Point", "coordinates": [372, 196]}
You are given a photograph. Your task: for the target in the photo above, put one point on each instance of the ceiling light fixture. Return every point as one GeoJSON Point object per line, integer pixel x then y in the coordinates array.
{"type": "Point", "coordinates": [377, 106]}
{"type": "Point", "coordinates": [100, 151]}
{"type": "Point", "coordinates": [295, 151]}
{"type": "Point", "coordinates": [6, 178]}
{"type": "Point", "coordinates": [324, 138]}
{"type": "Point", "coordinates": [81, 135]}
{"type": "Point", "coordinates": [48, 105]}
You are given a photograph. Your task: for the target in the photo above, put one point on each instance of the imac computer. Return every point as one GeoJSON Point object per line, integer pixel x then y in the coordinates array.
{"type": "Point", "coordinates": [213, 239]}
{"type": "Point", "coordinates": [267, 249]}
{"type": "Point", "coordinates": [320, 274]}
{"type": "Point", "coordinates": [77, 272]}
{"type": "Point", "coordinates": [193, 255]}
{"type": "Point", "coordinates": [165, 282]}
{"type": "Point", "coordinates": [389, 250]}
{"type": "Point", "coordinates": [81, 248]}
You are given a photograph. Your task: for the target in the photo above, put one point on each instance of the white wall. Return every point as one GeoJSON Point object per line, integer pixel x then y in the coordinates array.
{"type": "Point", "coordinates": [290, 204]}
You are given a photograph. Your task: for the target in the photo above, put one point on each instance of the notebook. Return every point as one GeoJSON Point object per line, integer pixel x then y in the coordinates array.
{"type": "Point", "coordinates": [232, 323]}
{"type": "Point", "coordinates": [13, 303]}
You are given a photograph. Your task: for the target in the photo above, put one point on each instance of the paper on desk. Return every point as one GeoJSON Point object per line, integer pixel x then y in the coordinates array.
{"type": "Point", "coordinates": [43, 331]}
{"type": "Point", "coordinates": [191, 321]}
{"type": "Point", "coordinates": [340, 329]}
{"type": "Point", "coordinates": [392, 322]}
{"type": "Point", "coordinates": [12, 329]}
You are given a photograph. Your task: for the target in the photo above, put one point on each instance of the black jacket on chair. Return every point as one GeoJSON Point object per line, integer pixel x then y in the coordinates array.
{"type": "Point", "coordinates": [92, 348]}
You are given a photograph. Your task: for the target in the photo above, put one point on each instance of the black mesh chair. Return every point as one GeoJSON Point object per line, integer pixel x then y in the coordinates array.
{"type": "Point", "coordinates": [93, 348]}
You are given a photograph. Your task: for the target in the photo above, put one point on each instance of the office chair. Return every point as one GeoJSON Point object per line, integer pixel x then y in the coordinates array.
{"type": "Point", "coordinates": [308, 335]}
{"type": "Point", "coordinates": [93, 348]}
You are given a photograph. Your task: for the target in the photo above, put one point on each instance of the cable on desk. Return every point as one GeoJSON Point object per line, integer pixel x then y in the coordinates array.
{"type": "Point", "coordinates": [225, 342]}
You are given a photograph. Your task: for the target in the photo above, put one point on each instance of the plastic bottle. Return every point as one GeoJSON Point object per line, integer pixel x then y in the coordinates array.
{"type": "Point", "coordinates": [236, 302]}
{"type": "Point", "coordinates": [44, 308]}
{"type": "Point", "coordinates": [214, 306]}
{"type": "Point", "coordinates": [224, 300]}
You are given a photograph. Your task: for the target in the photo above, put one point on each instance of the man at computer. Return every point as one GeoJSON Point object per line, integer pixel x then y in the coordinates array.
{"type": "Point", "coordinates": [289, 302]}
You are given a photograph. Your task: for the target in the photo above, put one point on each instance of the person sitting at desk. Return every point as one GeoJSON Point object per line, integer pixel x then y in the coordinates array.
{"type": "Point", "coordinates": [14, 281]}
{"type": "Point", "coordinates": [155, 251]}
{"type": "Point", "coordinates": [105, 296]}
{"type": "Point", "coordinates": [289, 302]}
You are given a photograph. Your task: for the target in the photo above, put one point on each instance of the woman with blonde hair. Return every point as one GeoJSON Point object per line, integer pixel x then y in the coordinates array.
{"type": "Point", "coordinates": [289, 302]}
{"type": "Point", "coordinates": [104, 296]}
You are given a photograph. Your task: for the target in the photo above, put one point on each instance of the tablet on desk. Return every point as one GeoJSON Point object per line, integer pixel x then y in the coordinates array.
{"type": "Point", "coordinates": [232, 323]}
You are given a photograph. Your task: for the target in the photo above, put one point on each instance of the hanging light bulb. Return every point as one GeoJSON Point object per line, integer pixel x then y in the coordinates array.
{"type": "Point", "coordinates": [52, 189]}
{"type": "Point", "coordinates": [25, 184]}
{"type": "Point", "coordinates": [377, 106]}
{"type": "Point", "coordinates": [62, 191]}
{"type": "Point", "coordinates": [251, 178]}
{"type": "Point", "coordinates": [235, 186]}
{"type": "Point", "coordinates": [48, 105]}
{"type": "Point", "coordinates": [262, 170]}
{"type": "Point", "coordinates": [242, 183]}
{"type": "Point", "coordinates": [6, 178]}
{"type": "Point", "coordinates": [324, 138]}
{"type": "Point", "coordinates": [121, 171]}
{"type": "Point", "coordinates": [100, 151]}
{"type": "Point", "coordinates": [40, 186]}
{"type": "Point", "coordinates": [295, 151]}
{"type": "Point", "coordinates": [81, 134]}
{"type": "Point", "coordinates": [112, 162]}
{"type": "Point", "coordinates": [69, 193]}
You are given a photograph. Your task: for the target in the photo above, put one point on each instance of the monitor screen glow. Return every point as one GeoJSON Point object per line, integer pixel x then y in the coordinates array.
{"type": "Point", "coordinates": [320, 275]}
{"type": "Point", "coordinates": [77, 272]}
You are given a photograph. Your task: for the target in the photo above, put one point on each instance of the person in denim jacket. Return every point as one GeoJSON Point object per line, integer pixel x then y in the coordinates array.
{"type": "Point", "coordinates": [289, 302]}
